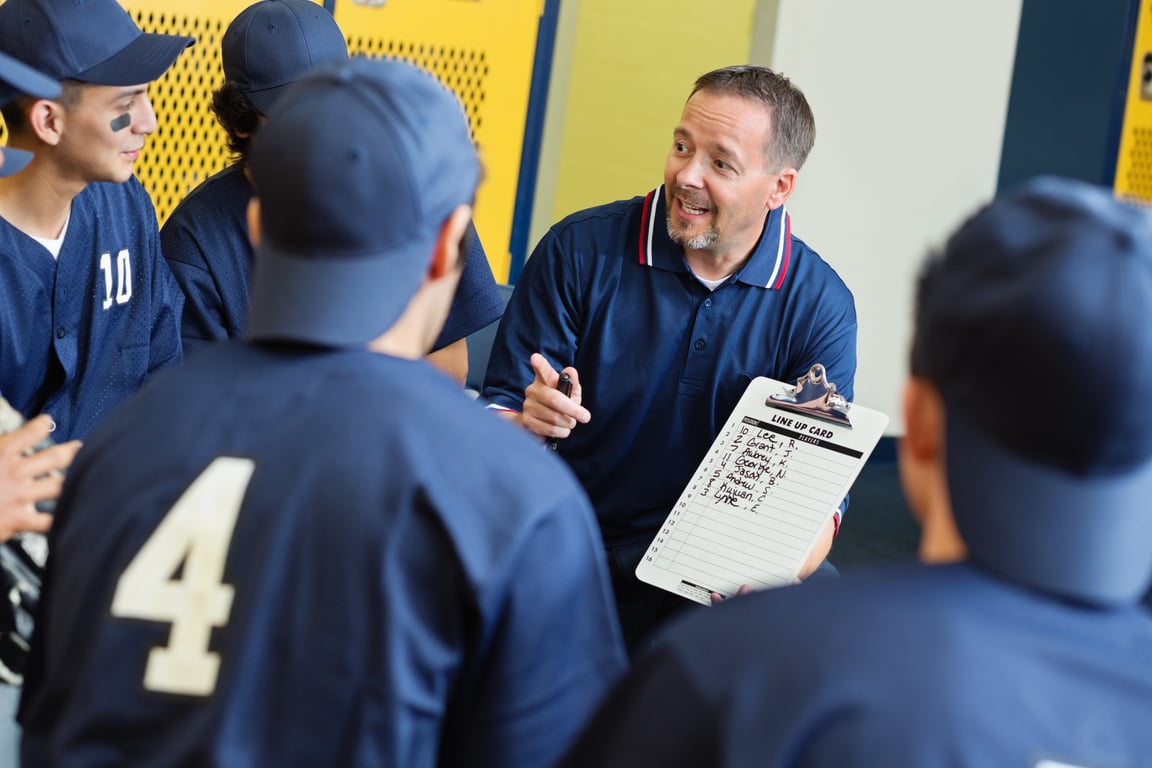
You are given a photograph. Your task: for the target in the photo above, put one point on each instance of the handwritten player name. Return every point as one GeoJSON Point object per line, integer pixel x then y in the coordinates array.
{"type": "Point", "coordinates": [759, 498]}
{"type": "Point", "coordinates": [745, 475]}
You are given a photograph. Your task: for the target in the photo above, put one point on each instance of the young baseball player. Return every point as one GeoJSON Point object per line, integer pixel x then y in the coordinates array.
{"type": "Point", "coordinates": [89, 306]}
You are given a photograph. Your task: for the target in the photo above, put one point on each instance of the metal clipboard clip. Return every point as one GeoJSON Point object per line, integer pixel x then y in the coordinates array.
{"type": "Point", "coordinates": [815, 396]}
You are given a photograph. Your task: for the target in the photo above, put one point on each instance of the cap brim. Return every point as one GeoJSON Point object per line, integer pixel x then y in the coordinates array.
{"type": "Point", "coordinates": [1084, 537]}
{"type": "Point", "coordinates": [14, 160]}
{"type": "Point", "coordinates": [143, 60]}
{"type": "Point", "coordinates": [17, 79]}
{"type": "Point", "coordinates": [332, 301]}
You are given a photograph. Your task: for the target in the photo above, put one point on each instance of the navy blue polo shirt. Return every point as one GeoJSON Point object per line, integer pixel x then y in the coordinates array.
{"type": "Point", "coordinates": [662, 360]}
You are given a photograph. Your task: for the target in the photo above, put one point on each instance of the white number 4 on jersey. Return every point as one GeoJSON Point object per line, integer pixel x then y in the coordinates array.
{"type": "Point", "coordinates": [197, 533]}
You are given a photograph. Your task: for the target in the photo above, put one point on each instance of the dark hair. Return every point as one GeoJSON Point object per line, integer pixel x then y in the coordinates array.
{"type": "Point", "coordinates": [15, 112]}
{"type": "Point", "coordinates": [239, 118]}
{"type": "Point", "coordinates": [793, 126]}
{"type": "Point", "coordinates": [927, 290]}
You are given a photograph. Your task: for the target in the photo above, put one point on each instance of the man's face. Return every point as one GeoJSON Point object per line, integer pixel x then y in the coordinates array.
{"type": "Point", "coordinates": [716, 178]}
{"type": "Point", "coordinates": [104, 131]}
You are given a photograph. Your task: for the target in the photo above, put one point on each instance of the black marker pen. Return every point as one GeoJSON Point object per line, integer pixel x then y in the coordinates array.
{"type": "Point", "coordinates": [564, 385]}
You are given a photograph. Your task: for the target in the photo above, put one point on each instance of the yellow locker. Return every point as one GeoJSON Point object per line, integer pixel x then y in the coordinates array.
{"type": "Point", "coordinates": [1133, 179]}
{"type": "Point", "coordinates": [483, 49]}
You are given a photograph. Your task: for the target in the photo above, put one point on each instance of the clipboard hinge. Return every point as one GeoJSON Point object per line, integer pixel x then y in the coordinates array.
{"type": "Point", "coordinates": [815, 396]}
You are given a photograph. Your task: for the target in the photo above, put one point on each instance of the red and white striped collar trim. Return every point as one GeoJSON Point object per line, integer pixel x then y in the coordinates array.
{"type": "Point", "coordinates": [768, 266]}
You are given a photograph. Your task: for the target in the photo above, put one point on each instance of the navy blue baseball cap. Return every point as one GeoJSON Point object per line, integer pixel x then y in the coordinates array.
{"type": "Point", "coordinates": [17, 79]}
{"type": "Point", "coordinates": [357, 169]}
{"type": "Point", "coordinates": [1034, 324]}
{"type": "Point", "coordinates": [93, 41]}
{"type": "Point", "coordinates": [274, 43]}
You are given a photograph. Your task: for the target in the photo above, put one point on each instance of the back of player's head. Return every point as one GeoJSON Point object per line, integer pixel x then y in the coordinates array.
{"type": "Point", "coordinates": [18, 79]}
{"type": "Point", "coordinates": [274, 43]}
{"type": "Point", "coordinates": [357, 170]}
{"type": "Point", "coordinates": [92, 41]}
{"type": "Point", "coordinates": [1034, 325]}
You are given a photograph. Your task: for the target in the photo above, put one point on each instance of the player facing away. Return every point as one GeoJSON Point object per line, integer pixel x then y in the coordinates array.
{"type": "Point", "coordinates": [1020, 639]}
{"type": "Point", "coordinates": [309, 547]}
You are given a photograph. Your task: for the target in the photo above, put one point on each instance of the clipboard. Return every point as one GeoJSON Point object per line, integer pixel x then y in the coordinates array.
{"type": "Point", "coordinates": [755, 506]}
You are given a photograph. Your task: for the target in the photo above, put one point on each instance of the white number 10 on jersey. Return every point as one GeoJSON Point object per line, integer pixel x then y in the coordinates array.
{"type": "Point", "coordinates": [121, 280]}
{"type": "Point", "coordinates": [197, 533]}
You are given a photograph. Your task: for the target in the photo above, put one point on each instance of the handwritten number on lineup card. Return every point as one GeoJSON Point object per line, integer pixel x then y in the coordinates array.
{"type": "Point", "coordinates": [759, 499]}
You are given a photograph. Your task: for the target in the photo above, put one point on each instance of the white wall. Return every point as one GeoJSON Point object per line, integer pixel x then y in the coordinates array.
{"type": "Point", "coordinates": [910, 98]}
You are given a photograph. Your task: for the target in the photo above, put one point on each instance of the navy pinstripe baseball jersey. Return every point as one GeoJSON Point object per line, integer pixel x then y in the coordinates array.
{"type": "Point", "coordinates": [80, 333]}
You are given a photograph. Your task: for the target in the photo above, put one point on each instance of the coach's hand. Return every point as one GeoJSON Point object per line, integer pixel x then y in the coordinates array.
{"type": "Point", "coordinates": [547, 412]}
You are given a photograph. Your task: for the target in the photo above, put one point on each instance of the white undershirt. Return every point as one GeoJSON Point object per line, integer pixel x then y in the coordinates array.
{"type": "Point", "coordinates": [713, 284]}
{"type": "Point", "coordinates": [54, 244]}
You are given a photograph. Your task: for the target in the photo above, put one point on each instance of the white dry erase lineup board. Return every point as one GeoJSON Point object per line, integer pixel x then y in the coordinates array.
{"type": "Point", "coordinates": [756, 504]}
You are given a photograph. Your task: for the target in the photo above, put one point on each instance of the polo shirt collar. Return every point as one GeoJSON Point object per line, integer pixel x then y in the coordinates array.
{"type": "Point", "coordinates": [766, 269]}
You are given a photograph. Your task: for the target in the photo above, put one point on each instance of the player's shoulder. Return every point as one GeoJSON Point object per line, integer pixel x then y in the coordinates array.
{"type": "Point", "coordinates": [491, 461]}
{"type": "Point", "coordinates": [124, 207]}
{"type": "Point", "coordinates": [810, 624]}
{"type": "Point", "coordinates": [392, 406]}
{"type": "Point", "coordinates": [10, 238]}
{"type": "Point", "coordinates": [116, 194]}
{"type": "Point", "coordinates": [221, 193]}
{"type": "Point", "coordinates": [479, 436]}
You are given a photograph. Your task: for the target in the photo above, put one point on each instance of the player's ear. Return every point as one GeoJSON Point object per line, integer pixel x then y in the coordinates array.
{"type": "Point", "coordinates": [254, 221]}
{"type": "Point", "coordinates": [46, 120]}
{"type": "Point", "coordinates": [923, 420]}
{"type": "Point", "coordinates": [921, 450]}
{"type": "Point", "coordinates": [447, 256]}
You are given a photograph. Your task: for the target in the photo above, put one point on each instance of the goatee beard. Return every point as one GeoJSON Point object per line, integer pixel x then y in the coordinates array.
{"type": "Point", "coordinates": [703, 240]}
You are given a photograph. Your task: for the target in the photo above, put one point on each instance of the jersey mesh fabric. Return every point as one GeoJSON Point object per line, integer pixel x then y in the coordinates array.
{"type": "Point", "coordinates": [80, 333]}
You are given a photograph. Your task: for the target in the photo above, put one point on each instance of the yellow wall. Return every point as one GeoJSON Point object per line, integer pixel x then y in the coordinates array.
{"type": "Point", "coordinates": [633, 64]}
